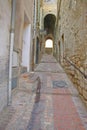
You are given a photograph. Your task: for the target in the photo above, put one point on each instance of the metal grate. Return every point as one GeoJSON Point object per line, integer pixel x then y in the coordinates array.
{"type": "Point", "coordinates": [59, 84]}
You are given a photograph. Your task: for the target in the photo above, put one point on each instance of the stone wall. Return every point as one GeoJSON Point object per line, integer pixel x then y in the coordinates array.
{"type": "Point", "coordinates": [72, 32]}
{"type": "Point", "coordinates": [5, 15]}
{"type": "Point", "coordinates": [24, 18]}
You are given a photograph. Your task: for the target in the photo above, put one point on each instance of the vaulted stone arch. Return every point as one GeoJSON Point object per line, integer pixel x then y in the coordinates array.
{"type": "Point", "coordinates": [49, 23]}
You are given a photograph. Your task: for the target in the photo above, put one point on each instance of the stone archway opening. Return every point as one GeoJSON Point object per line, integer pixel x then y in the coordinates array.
{"type": "Point", "coordinates": [49, 23]}
{"type": "Point", "coordinates": [49, 43]}
{"type": "Point", "coordinates": [49, 46]}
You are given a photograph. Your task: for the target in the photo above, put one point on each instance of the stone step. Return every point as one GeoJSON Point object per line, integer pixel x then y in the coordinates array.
{"type": "Point", "coordinates": [30, 82]}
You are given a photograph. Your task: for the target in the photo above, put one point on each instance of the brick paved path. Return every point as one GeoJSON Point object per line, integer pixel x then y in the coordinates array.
{"type": "Point", "coordinates": [56, 107]}
{"type": "Point", "coordinates": [62, 108]}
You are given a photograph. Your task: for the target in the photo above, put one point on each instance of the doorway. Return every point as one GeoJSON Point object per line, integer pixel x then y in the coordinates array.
{"type": "Point", "coordinates": [59, 52]}
{"type": "Point", "coordinates": [37, 50]}
{"type": "Point", "coordinates": [62, 48]}
{"type": "Point", "coordinates": [49, 46]}
{"type": "Point", "coordinates": [26, 48]}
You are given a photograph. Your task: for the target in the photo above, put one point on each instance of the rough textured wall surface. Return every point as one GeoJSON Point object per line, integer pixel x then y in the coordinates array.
{"type": "Point", "coordinates": [72, 32]}
{"type": "Point", "coordinates": [5, 14]}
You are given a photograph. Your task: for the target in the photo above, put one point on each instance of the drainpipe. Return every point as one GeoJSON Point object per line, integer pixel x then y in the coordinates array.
{"type": "Point", "coordinates": [35, 30]}
{"type": "Point", "coordinates": [13, 8]}
{"type": "Point", "coordinates": [34, 22]}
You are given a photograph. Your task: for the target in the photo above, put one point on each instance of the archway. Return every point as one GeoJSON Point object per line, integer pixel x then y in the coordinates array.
{"type": "Point", "coordinates": [49, 46]}
{"type": "Point", "coordinates": [59, 52]}
{"type": "Point", "coordinates": [49, 23]}
{"type": "Point", "coordinates": [62, 48]}
{"type": "Point", "coordinates": [26, 48]}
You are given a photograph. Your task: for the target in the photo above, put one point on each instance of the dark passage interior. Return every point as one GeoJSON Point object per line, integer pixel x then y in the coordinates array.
{"type": "Point", "coordinates": [49, 23]}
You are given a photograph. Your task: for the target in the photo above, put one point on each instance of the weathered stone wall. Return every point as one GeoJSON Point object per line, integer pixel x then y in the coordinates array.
{"type": "Point", "coordinates": [24, 16]}
{"type": "Point", "coordinates": [72, 32]}
{"type": "Point", "coordinates": [5, 15]}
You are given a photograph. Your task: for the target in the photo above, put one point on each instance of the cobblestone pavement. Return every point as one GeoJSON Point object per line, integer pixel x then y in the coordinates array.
{"type": "Point", "coordinates": [56, 107]}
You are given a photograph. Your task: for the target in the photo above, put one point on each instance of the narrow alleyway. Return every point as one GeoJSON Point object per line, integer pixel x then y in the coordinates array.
{"type": "Point", "coordinates": [56, 107]}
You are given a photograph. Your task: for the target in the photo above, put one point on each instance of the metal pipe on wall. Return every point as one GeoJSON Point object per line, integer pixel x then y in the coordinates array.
{"type": "Point", "coordinates": [9, 93]}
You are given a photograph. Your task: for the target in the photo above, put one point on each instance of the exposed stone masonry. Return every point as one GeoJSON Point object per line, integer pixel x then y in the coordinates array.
{"type": "Point", "coordinates": [73, 41]}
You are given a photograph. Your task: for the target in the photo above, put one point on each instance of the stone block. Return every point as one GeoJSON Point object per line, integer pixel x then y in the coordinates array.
{"type": "Point", "coordinates": [85, 84]}
{"type": "Point", "coordinates": [85, 94]}
{"type": "Point", "coordinates": [3, 97]}
{"type": "Point", "coordinates": [5, 20]}
{"type": "Point", "coordinates": [80, 89]}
